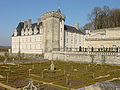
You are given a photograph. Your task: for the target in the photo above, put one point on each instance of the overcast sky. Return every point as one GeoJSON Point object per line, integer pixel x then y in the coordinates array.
{"type": "Point", "coordinates": [14, 11]}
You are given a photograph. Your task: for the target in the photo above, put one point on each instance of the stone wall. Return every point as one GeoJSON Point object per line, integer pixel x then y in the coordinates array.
{"type": "Point", "coordinates": [28, 44]}
{"type": "Point", "coordinates": [101, 57]}
{"type": "Point", "coordinates": [73, 40]}
{"type": "Point", "coordinates": [109, 37]}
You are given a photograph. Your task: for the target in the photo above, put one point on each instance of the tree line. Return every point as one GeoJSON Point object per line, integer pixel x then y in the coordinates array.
{"type": "Point", "coordinates": [103, 18]}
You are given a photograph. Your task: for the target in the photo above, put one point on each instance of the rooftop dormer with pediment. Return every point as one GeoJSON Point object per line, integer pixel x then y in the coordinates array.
{"type": "Point", "coordinates": [28, 28]}
{"type": "Point", "coordinates": [30, 31]}
{"type": "Point", "coordinates": [35, 30]}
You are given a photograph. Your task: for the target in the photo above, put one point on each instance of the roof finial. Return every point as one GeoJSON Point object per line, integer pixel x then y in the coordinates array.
{"type": "Point", "coordinates": [59, 9]}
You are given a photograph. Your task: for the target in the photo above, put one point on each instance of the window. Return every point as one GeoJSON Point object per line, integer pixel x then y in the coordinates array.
{"type": "Point", "coordinates": [26, 46]}
{"type": "Point", "coordinates": [22, 39]}
{"type": "Point", "coordinates": [26, 40]}
{"type": "Point", "coordinates": [35, 39]}
{"type": "Point", "coordinates": [61, 21]}
{"type": "Point", "coordinates": [30, 39]}
{"type": "Point", "coordinates": [30, 46]}
{"type": "Point", "coordinates": [61, 38]}
{"type": "Point", "coordinates": [67, 40]}
{"type": "Point", "coordinates": [61, 29]}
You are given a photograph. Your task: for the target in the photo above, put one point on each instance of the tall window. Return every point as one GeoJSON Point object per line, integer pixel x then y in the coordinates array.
{"type": "Point", "coordinates": [61, 29]}
{"type": "Point", "coordinates": [61, 38]}
{"type": "Point", "coordinates": [61, 21]}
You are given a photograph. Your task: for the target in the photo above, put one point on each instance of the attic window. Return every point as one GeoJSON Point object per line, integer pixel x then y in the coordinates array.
{"type": "Point", "coordinates": [61, 29]}
{"type": "Point", "coordinates": [60, 21]}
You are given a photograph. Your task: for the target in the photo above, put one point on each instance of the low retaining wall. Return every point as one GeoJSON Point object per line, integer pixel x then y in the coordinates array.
{"type": "Point", "coordinates": [109, 58]}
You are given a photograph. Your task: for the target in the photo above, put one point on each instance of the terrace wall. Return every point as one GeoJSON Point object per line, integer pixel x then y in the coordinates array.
{"type": "Point", "coordinates": [96, 57]}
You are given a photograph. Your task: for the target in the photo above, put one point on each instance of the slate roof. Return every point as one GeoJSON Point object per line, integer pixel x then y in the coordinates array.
{"type": "Point", "coordinates": [33, 25]}
{"type": "Point", "coordinates": [72, 29]}
{"type": "Point", "coordinates": [21, 25]}
{"type": "Point", "coordinates": [19, 28]}
{"type": "Point", "coordinates": [66, 27]}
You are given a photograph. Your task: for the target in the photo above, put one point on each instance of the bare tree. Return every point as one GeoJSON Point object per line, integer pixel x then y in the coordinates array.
{"type": "Point", "coordinates": [103, 18]}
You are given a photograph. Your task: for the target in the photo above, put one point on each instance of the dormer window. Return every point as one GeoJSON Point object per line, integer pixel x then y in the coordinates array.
{"type": "Point", "coordinates": [41, 30]}
{"type": "Point", "coordinates": [61, 21]}
{"type": "Point", "coordinates": [35, 30]}
{"type": "Point", "coordinates": [26, 31]}
{"type": "Point", "coordinates": [30, 31]}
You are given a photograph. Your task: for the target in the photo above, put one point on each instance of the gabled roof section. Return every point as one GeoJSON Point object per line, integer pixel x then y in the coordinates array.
{"type": "Point", "coordinates": [21, 25]}
{"type": "Point", "coordinates": [19, 28]}
{"type": "Point", "coordinates": [36, 24]}
{"type": "Point", "coordinates": [33, 25]}
{"type": "Point", "coordinates": [72, 29]}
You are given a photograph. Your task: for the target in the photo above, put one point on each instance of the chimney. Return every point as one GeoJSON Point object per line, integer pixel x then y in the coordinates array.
{"type": "Point", "coordinates": [25, 23]}
{"type": "Point", "coordinates": [77, 26]}
{"type": "Point", "coordinates": [29, 22]}
{"type": "Point", "coordinates": [39, 20]}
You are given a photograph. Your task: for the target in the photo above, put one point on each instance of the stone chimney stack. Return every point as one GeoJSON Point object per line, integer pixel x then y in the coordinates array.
{"type": "Point", "coordinates": [39, 20]}
{"type": "Point", "coordinates": [29, 22]}
{"type": "Point", "coordinates": [77, 26]}
{"type": "Point", "coordinates": [25, 23]}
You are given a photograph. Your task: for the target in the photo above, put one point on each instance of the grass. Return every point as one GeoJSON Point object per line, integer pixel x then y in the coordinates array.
{"type": "Point", "coordinates": [78, 74]}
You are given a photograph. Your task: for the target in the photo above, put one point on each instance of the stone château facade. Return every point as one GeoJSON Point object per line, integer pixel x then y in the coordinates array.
{"type": "Point", "coordinates": [49, 34]}
{"type": "Point", "coordinates": [56, 40]}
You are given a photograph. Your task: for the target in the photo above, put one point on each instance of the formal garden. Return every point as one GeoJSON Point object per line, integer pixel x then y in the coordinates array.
{"type": "Point", "coordinates": [59, 75]}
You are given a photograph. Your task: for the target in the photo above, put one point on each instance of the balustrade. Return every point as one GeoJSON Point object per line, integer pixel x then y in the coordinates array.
{"type": "Point", "coordinates": [92, 49]}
